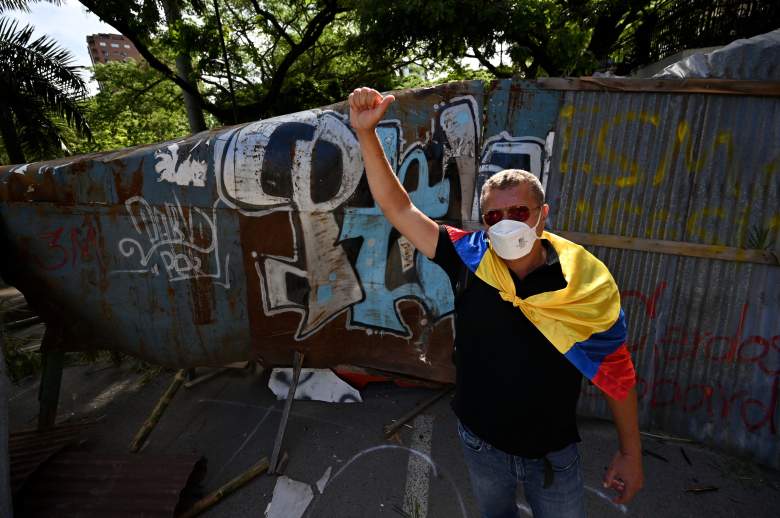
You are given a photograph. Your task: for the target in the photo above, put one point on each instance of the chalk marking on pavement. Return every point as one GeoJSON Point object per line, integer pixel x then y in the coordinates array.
{"type": "Point", "coordinates": [109, 393]}
{"type": "Point", "coordinates": [243, 444]}
{"type": "Point", "coordinates": [278, 410]}
{"type": "Point", "coordinates": [421, 455]}
{"type": "Point", "coordinates": [620, 507]}
{"type": "Point", "coordinates": [417, 471]}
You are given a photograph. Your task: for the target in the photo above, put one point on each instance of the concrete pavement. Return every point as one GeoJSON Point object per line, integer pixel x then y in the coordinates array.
{"type": "Point", "coordinates": [232, 421]}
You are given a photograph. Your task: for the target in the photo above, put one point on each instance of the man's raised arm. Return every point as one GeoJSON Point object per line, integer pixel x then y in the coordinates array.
{"type": "Point", "coordinates": [366, 109]}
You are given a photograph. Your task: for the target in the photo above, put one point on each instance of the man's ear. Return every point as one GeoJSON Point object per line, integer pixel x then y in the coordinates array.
{"type": "Point", "coordinates": [545, 212]}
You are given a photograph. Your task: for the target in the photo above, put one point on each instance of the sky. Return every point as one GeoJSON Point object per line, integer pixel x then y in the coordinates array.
{"type": "Point", "coordinates": [68, 24]}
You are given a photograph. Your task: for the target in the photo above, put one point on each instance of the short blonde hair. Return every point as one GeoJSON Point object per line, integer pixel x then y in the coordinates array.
{"type": "Point", "coordinates": [512, 178]}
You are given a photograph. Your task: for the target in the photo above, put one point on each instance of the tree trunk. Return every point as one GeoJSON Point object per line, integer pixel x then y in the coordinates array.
{"type": "Point", "coordinates": [192, 103]}
{"type": "Point", "coordinates": [10, 139]}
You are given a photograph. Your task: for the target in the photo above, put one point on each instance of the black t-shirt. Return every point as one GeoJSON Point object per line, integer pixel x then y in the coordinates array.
{"type": "Point", "coordinates": [513, 388]}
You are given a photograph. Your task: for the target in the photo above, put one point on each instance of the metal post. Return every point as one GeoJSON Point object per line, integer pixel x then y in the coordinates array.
{"type": "Point", "coordinates": [5, 461]}
{"type": "Point", "coordinates": [297, 364]}
{"type": "Point", "coordinates": [49, 389]}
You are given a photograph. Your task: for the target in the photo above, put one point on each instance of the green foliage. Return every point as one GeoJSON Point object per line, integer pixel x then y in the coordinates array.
{"type": "Point", "coordinates": [541, 37]}
{"type": "Point", "coordinates": [555, 37]}
{"type": "Point", "coordinates": [283, 56]}
{"type": "Point", "coordinates": [135, 106]}
{"type": "Point", "coordinates": [21, 359]}
{"type": "Point", "coordinates": [41, 90]}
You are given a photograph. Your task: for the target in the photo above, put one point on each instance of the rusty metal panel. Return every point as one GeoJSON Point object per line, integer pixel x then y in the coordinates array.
{"type": "Point", "coordinates": [519, 132]}
{"type": "Point", "coordinates": [334, 278]}
{"type": "Point", "coordinates": [29, 449]}
{"type": "Point", "coordinates": [249, 241]}
{"type": "Point", "coordinates": [86, 484]}
{"type": "Point", "coordinates": [704, 333]}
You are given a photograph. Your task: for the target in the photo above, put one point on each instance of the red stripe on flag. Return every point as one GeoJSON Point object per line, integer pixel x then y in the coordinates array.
{"type": "Point", "coordinates": [616, 374]}
{"type": "Point", "coordinates": [455, 233]}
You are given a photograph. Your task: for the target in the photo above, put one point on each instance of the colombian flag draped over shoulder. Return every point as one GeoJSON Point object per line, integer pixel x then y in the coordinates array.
{"type": "Point", "coordinates": [584, 321]}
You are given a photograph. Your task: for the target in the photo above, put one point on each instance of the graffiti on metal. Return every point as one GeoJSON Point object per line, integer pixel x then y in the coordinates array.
{"type": "Point", "coordinates": [704, 333]}
{"type": "Point", "coordinates": [258, 240]}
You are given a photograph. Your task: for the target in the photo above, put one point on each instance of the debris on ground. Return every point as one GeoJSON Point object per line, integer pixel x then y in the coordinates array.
{"type": "Point", "coordinates": [290, 499]}
{"type": "Point", "coordinates": [314, 384]}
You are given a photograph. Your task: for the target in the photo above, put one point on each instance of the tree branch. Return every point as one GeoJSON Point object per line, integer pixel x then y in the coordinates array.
{"type": "Point", "coordinates": [103, 10]}
{"type": "Point", "coordinates": [139, 93]}
{"type": "Point", "coordinates": [311, 34]}
{"type": "Point", "coordinates": [217, 84]}
{"type": "Point", "coordinates": [485, 62]}
{"type": "Point", "coordinates": [273, 21]}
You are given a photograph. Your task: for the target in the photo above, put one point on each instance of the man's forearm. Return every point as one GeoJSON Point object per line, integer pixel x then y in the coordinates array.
{"type": "Point", "coordinates": [366, 108]}
{"type": "Point", "coordinates": [387, 191]}
{"type": "Point", "coordinates": [626, 417]}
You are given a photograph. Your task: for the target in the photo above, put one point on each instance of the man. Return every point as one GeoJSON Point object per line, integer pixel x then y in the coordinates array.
{"type": "Point", "coordinates": [533, 312]}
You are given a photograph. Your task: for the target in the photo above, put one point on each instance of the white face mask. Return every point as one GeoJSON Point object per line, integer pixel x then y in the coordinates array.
{"type": "Point", "coordinates": [513, 239]}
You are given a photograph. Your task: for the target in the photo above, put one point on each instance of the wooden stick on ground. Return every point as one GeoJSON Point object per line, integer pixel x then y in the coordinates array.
{"type": "Point", "coordinates": [206, 377]}
{"type": "Point", "coordinates": [214, 373]}
{"type": "Point", "coordinates": [390, 429]}
{"type": "Point", "coordinates": [162, 404]}
{"type": "Point", "coordinates": [215, 497]}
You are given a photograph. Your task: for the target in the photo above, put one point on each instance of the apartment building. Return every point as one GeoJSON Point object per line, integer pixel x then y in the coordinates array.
{"type": "Point", "coordinates": [110, 47]}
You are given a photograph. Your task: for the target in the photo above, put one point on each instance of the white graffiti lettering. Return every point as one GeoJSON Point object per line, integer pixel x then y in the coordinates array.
{"type": "Point", "coordinates": [182, 241]}
{"type": "Point", "coordinates": [186, 172]}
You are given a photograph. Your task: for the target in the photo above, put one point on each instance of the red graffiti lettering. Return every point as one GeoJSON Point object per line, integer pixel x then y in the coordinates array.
{"type": "Point", "coordinates": [663, 397]}
{"type": "Point", "coordinates": [650, 302]}
{"type": "Point", "coordinates": [754, 413]}
{"type": "Point", "coordinates": [766, 366]}
{"type": "Point", "coordinates": [704, 394]}
{"type": "Point", "coordinates": [678, 344]}
{"type": "Point", "coordinates": [57, 254]}
{"type": "Point", "coordinates": [83, 240]}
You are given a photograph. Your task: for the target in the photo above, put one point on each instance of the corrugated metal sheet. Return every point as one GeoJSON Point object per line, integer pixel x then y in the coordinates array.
{"type": "Point", "coordinates": [704, 334]}
{"type": "Point", "coordinates": [81, 484]}
{"type": "Point", "coordinates": [29, 449]}
{"type": "Point", "coordinates": [248, 241]}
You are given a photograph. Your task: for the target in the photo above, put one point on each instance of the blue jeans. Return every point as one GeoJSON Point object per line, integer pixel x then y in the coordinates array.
{"type": "Point", "coordinates": [495, 476]}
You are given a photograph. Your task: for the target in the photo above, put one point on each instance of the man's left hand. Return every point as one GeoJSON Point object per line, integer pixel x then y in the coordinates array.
{"type": "Point", "coordinates": [625, 476]}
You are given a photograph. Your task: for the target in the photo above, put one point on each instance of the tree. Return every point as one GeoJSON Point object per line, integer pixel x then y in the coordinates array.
{"type": "Point", "coordinates": [136, 105]}
{"type": "Point", "coordinates": [541, 37]}
{"type": "Point", "coordinates": [41, 91]}
{"type": "Point", "coordinates": [281, 55]}
{"type": "Point", "coordinates": [184, 69]}
{"type": "Point", "coordinates": [558, 37]}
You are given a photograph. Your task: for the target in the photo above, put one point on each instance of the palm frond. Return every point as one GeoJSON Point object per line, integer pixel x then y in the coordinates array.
{"type": "Point", "coordinates": [39, 84]}
{"type": "Point", "coordinates": [38, 133]}
{"type": "Point", "coordinates": [23, 5]}
{"type": "Point", "coordinates": [22, 59]}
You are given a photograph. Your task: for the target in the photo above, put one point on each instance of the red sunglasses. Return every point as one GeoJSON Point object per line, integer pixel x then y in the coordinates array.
{"type": "Point", "coordinates": [517, 213]}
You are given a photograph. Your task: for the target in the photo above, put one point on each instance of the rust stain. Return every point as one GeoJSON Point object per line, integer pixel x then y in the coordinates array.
{"type": "Point", "coordinates": [134, 187]}
{"type": "Point", "coordinates": [201, 288]}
